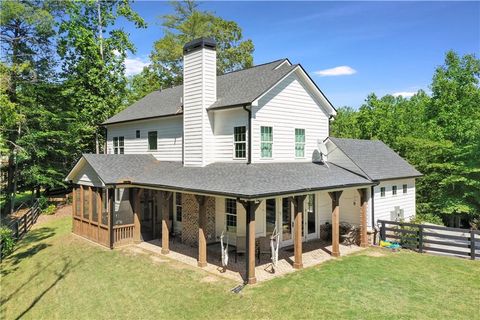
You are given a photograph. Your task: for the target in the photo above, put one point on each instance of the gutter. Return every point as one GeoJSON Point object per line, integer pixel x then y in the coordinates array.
{"type": "Point", "coordinates": [249, 149]}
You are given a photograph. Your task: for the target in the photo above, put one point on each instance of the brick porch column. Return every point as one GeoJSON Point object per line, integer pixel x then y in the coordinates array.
{"type": "Point", "coordinates": [165, 196]}
{"type": "Point", "coordinates": [335, 196]}
{"type": "Point", "coordinates": [298, 202]}
{"type": "Point", "coordinates": [202, 224]}
{"type": "Point", "coordinates": [363, 217]}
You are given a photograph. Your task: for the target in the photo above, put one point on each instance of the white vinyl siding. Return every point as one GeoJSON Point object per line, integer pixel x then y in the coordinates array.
{"type": "Point", "coordinates": [287, 106]}
{"type": "Point", "coordinates": [199, 92]}
{"type": "Point", "coordinates": [404, 201]}
{"type": "Point", "coordinates": [169, 137]}
{"type": "Point", "coordinates": [224, 123]}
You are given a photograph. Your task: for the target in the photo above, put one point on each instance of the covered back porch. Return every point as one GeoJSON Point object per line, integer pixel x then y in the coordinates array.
{"type": "Point", "coordinates": [188, 226]}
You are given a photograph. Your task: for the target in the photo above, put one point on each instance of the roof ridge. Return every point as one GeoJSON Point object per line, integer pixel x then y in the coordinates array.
{"type": "Point", "coordinates": [255, 66]}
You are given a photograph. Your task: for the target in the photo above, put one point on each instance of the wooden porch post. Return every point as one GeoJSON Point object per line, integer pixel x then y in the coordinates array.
{"type": "Point", "coordinates": [98, 194]}
{"type": "Point", "coordinates": [74, 201]}
{"type": "Point", "coordinates": [136, 217]}
{"type": "Point", "coordinates": [363, 217]}
{"type": "Point", "coordinates": [202, 224]}
{"type": "Point", "coordinates": [90, 202]}
{"type": "Point", "coordinates": [165, 228]}
{"type": "Point", "coordinates": [250, 208]}
{"type": "Point", "coordinates": [298, 202]}
{"type": "Point", "coordinates": [81, 202]}
{"type": "Point", "coordinates": [111, 209]}
{"type": "Point", "coordinates": [335, 196]}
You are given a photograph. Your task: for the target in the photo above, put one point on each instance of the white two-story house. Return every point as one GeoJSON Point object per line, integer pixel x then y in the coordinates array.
{"type": "Point", "coordinates": [247, 154]}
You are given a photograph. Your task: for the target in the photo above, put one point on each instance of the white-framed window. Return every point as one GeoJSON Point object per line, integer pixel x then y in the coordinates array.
{"type": "Point", "coordinates": [299, 143]}
{"type": "Point", "coordinates": [405, 188]}
{"type": "Point", "coordinates": [266, 142]}
{"type": "Point", "coordinates": [231, 215]}
{"type": "Point", "coordinates": [382, 192]}
{"type": "Point", "coordinates": [178, 206]}
{"type": "Point", "coordinates": [240, 142]}
{"type": "Point", "coordinates": [152, 140]}
{"type": "Point", "coordinates": [118, 145]}
{"type": "Point", "coordinates": [137, 134]}
{"type": "Point", "coordinates": [394, 190]}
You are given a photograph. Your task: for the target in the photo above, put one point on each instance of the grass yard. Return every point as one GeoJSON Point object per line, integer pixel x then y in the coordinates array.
{"type": "Point", "coordinates": [56, 275]}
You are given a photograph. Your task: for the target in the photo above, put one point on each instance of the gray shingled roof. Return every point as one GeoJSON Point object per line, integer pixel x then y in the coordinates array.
{"type": "Point", "coordinates": [232, 179]}
{"type": "Point", "coordinates": [234, 88]}
{"type": "Point", "coordinates": [375, 159]}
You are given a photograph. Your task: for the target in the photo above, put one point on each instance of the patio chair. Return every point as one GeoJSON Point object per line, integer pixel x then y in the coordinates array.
{"type": "Point", "coordinates": [240, 247]}
{"type": "Point", "coordinates": [263, 247]}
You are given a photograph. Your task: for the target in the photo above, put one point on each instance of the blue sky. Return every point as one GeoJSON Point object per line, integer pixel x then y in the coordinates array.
{"type": "Point", "coordinates": [349, 48]}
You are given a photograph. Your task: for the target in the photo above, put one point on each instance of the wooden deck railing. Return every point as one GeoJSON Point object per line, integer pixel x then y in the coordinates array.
{"type": "Point", "coordinates": [123, 234]}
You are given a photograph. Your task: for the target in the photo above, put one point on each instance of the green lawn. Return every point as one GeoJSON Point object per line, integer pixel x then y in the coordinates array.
{"type": "Point", "coordinates": [56, 275]}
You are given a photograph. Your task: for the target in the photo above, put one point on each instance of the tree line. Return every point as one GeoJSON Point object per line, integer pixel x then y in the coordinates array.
{"type": "Point", "coordinates": [62, 73]}
{"type": "Point", "coordinates": [438, 133]}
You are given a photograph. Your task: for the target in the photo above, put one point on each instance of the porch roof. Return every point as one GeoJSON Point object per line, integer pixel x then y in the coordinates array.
{"type": "Point", "coordinates": [247, 181]}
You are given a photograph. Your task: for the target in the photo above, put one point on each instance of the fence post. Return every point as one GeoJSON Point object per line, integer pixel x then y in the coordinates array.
{"type": "Point", "coordinates": [382, 231]}
{"type": "Point", "coordinates": [420, 238]}
{"type": "Point", "coordinates": [472, 245]}
{"type": "Point", "coordinates": [24, 223]}
{"type": "Point", "coordinates": [16, 230]}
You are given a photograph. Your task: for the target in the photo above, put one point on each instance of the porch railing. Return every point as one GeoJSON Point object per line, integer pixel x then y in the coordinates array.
{"type": "Point", "coordinates": [123, 234]}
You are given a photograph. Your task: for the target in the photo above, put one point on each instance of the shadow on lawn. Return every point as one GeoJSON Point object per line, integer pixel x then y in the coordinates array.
{"type": "Point", "coordinates": [59, 275]}
{"type": "Point", "coordinates": [22, 249]}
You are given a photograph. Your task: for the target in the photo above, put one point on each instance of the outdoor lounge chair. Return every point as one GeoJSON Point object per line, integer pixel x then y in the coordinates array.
{"type": "Point", "coordinates": [263, 247]}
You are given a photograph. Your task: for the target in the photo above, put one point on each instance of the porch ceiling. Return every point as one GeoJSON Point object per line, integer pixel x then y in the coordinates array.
{"type": "Point", "coordinates": [248, 181]}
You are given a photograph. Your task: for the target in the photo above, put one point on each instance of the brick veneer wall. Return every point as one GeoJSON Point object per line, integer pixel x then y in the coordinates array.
{"type": "Point", "coordinates": [190, 210]}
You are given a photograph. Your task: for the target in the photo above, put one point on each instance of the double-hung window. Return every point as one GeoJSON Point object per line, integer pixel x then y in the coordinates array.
{"type": "Point", "coordinates": [231, 215]}
{"type": "Point", "coordinates": [405, 188]}
{"type": "Point", "coordinates": [240, 142]}
{"type": "Point", "coordinates": [266, 142]}
{"type": "Point", "coordinates": [394, 190]}
{"type": "Point", "coordinates": [299, 143]}
{"type": "Point", "coordinates": [118, 145]}
{"type": "Point", "coordinates": [382, 192]}
{"type": "Point", "coordinates": [152, 140]}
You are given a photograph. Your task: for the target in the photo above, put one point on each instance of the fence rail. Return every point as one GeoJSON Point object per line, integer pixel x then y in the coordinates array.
{"type": "Point", "coordinates": [423, 238]}
{"type": "Point", "coordinates": [20, 226]}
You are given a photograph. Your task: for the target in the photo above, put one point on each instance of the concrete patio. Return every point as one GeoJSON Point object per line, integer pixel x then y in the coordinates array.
{"type": "Point", "coordinates": [314, 253]}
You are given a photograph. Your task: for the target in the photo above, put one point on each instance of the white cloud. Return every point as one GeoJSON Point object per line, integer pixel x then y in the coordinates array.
{"type": "Point", "coordinates": [405, 94]}
{"type": "Point", "coordinates": [135, 65]}
{"type": "Point", "coordinates": [337, 71]}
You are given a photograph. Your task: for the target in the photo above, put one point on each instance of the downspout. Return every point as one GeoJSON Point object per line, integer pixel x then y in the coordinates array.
{"type": "Point", "coordinates": [372, 194]}
{"type": "Point", "coordinates": [249, 111]}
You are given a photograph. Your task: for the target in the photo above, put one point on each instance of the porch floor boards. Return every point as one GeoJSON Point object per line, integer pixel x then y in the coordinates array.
{"type": "Point", "coordinates": [314, 252]}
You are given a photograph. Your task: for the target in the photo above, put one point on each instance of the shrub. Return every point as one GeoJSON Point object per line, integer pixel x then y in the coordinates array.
{"type": "Point", "coordinates": [7, 240]}
{"type": "Point", "coordinates": [43, 203]}
{"type": "Point", "coordinates": [427, 217]}
{"type": "Point", "coordinates": [49, 210]}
